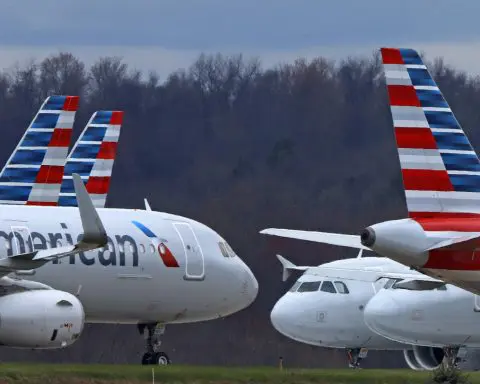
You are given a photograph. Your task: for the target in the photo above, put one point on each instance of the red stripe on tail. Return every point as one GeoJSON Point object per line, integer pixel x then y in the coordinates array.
{"type": "Point", "coordinates": [415, 138]}
{"type": "Point", "coordinates": [49, 174]}
{"type": "Point", "coordinates": [391, 56]}
{"type": "Point", "coordinates": [71, 103]}
{"type": "Point", "coordinates": [61, 137]}
{"type": "Point", "coordinates": [42, 203]}
{"type": "Point", "coordinates": [117, 118]}
{"type": "Point", "coordinates": [426, 180]}
{"type": "Point", "coordinates": [107, 150]}
{"type": "Point", "coordinates": [98, 185]}
{"type": "Point", "coordinates": [465, 260]}
{"type": "Point", "coordinates": [403, 95]}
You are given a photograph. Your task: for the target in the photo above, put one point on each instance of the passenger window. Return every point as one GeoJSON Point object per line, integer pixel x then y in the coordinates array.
{"type": "Point", "coordinates": [152, 248]}
{"type": "Point", "coordinates": [327, 286]}
{"type": "Point", "coordinates": [295, 286]}
{"type": "Point", "coordinates": [309, 286]}
{"type": "Point", "coordinates": [142, 248]}
{"type": "Point", "coordinates": [223, 249]}
{"type": "Point", "coordinates": [341, 287]}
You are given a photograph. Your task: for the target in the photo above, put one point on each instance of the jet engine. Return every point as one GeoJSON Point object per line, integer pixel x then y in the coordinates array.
{"type": "Point", "coordinates": [423, 358]}
{"type": "Point", "coordinates": [40, 319]}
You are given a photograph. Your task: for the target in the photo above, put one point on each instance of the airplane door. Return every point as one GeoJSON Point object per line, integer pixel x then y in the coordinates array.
{"type": "Point", "coordinates": [194, 261]}
{"type": "Point", "coordinates": [476, 303]}
{"type": "Point", "coordinates": [22, 240]}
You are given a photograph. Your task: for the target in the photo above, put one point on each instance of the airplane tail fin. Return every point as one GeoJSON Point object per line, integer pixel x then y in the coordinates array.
{"type": "Point", "coordinates": [440, 169]}
{"type": "Point", "coordinates": [288, 267]}
{"type": "Point", "coordinates": [92, 157]}
{"type": "Point", "coordinates": [33, 173]}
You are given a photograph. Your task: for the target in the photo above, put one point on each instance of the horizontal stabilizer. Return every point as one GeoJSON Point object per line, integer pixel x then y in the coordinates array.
{"type": "Point", "coordinates": [338, 239]}
{"type": "Point", "coordinates": [288, 267]}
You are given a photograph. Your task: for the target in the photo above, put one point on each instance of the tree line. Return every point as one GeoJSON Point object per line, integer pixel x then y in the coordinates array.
{"type": "Point", "coordinates": [307, 145]}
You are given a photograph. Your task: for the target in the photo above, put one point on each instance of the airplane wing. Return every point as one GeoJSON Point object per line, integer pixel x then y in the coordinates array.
{"type": "Point", "coordinates": [94, 236]}
{"type": "Point", "coordinates": [288, 267]}
{"type": "Point", "coordinates": [342, 240]}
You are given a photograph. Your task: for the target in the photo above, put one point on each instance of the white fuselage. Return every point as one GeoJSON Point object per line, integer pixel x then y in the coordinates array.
{"type": "Point", "coordinates": [129, 282]}
{"type": "Point", "coordinates": [449, 316]}
{"type": "Point", "coordinates": [331, 319]}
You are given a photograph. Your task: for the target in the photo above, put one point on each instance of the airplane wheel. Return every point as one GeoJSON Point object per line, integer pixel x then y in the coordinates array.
{"type": "Point", "coordinates": [161, 358]}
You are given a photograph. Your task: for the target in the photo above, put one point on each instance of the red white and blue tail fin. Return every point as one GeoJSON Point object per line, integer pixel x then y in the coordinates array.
{"type": "Point", "coordinates": [92, 157]}
{"type": "Point", "coordinates": [33, 173]}
{"type": "Point", "coordinates": [440, 169]}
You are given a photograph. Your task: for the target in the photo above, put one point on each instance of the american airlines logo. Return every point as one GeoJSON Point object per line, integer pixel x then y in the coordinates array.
{"type": "Point", "coordinates": [165, 254]}
{"type": "Point", "coordinates": [115, 253]}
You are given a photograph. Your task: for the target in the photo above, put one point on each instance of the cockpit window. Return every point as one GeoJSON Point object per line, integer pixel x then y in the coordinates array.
{"type": "Point", "coordinates": [390, 282]}
{"type": "Point", "coordinates": [327, 286]}
{"type": "Point", "coordinates": [226, 250]}
{"type": "Point", "coordinates": [309, 286]}
{"type": "Point", "coordinates": [341, 287]}
{"type": "Point", "coordinates": [295, 286]}
{"type": "Point", "coordinates": [223, 249]}
{"type": "Point", "coordinates": [442, 287]}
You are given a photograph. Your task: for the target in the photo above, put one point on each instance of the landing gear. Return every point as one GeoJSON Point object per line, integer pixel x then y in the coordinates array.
{"type": "Point", "coordinates": [451, 358]}
{"type": "Point", "coordinates": [355, 355]}
{"type": "Point", "coordinates": [153, 333]}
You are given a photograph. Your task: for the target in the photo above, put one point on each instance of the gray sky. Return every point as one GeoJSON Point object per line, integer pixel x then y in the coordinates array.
{"type": "Point", "coordinates": [164, 35]}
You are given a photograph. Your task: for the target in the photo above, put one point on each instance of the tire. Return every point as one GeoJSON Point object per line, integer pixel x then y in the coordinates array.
{"type": "Point", "coordinates": [161, 358]}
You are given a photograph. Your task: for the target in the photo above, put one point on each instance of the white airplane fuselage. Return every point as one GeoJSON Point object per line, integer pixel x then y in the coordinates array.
{"type": "Point", "coordinates": [436, 318]}
{"type": "Point", "coordinates": [131, 282]}
{"type": "Point", "coordinates": [336, 319]}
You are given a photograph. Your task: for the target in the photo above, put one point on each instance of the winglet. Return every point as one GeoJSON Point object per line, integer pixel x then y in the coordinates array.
{"type": "Point", "coordinates": [288, 267]}
{"type": "Point", "coordinates": [147, 206]}
{"type": "Point", "coordinates": [93, 229]}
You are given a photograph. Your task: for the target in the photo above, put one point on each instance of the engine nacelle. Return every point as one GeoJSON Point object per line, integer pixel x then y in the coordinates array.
{"type": "Point", "coordinates": [428, 358]}
{"type": "Point", "coordinates": [40, 319]}
{"type": "Point", "coordinates": [411, 361]}
{"type": "Point", "coordinates": [401, 240]}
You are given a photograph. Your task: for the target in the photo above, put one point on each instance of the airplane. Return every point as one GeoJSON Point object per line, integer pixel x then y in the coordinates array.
{"type": "Point", "coordinates": [327, 304]}
{"type": "Point", "coordinates": [445, 316]}
{"type": "Point", "coordinates": [441, 178]}
{"type": "Point", "coordinates": [61, 267]}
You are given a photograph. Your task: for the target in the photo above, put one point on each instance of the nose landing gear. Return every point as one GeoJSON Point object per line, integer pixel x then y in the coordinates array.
{"type": "Point", "coordinates": [355, 355]}
{"type": "Point", "coordinates": [152, 334]}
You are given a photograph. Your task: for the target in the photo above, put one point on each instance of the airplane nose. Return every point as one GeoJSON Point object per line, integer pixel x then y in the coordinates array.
{"type": "Point", "coordinates": [249, 285]}
{"type": "Point", "coordinates": [280, 317]}
{"type": "Point", "coordinates": [381, 314]}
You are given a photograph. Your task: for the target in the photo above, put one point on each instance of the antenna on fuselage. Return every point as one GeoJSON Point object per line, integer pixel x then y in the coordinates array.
{"type": "Point", "coordinates": [147, 206]}
{"type": "Point", "coordinates": [359, 256]}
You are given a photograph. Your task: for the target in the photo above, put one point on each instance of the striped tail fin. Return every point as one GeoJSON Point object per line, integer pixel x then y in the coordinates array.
{"type": "Point", "coordinates": [440, 169]}
{"type": "Point", "coordinates": [33, 173]}
{"type": "Point", "coordinates": [92, 157]}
